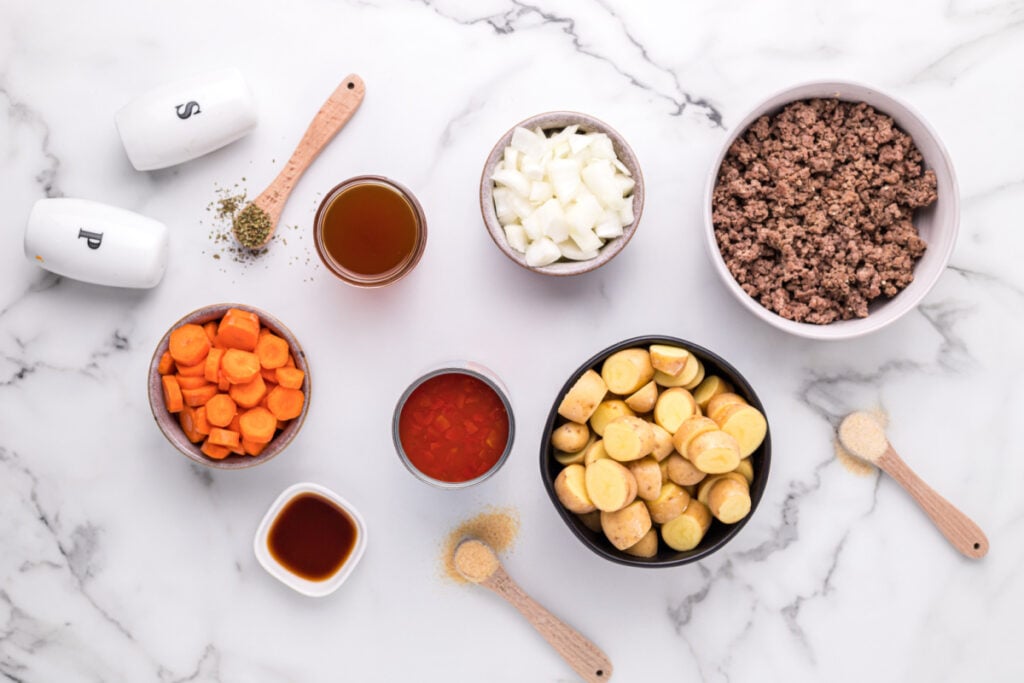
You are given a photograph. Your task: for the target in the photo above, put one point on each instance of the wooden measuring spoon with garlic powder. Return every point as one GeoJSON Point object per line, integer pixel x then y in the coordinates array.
{"type": "Point", "coordinates": [476, 562]}
{"type": "Point", "coordinates": [862, 436]}
{"type": "Point", "coordinates": [255, 224]}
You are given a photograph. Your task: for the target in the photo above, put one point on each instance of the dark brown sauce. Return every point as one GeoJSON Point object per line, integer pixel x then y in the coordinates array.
{"type": "Point", "coordinates": [312, 537]}
{"type": "Point", "coordinates": [369, 229]}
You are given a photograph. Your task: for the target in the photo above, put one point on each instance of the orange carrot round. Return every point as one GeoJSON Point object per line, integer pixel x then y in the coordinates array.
{"type": "Point", "coordinates": [239, 330]}
{"type": "Point", "coordinates": [172, 394]}
{"type": "Point", "coordinates": [249, 394]}
{"type": "Point", "coordinates": [189, 344]}
{"type": "Point", "coordinates": [186, 418]}
{"type": "Point", "coordinates": [224, 437]}
{"type": "Point", "coordinates": [285, 403]}
{"type": "Point", "coordinates": [252, 448]}
{"type": "Point", "coordinates": [201, 423]}
{"type": "Point", "coordinates": [240, 366]}
{"type": "Point", "coordinates": [290, 378]}
{"type": "Point", "coordinates": [166, 365]}
{"type": "Point", "coordinates": [258, 425]}
{"type": "Point", "coordinates": [220, 410]}
{"type": "Point", "coordinates": [211, 330]}
{"type": "Point", "coordinates": [272, 351]}
{"type": "Point", "coordinates": [186, 382]}
{"type": "Point", "coordinates": [199, 397]}
{"type": "Point", "coordinates": [214, 451]}
{"type": "Point", "coordinates": [211, 368]}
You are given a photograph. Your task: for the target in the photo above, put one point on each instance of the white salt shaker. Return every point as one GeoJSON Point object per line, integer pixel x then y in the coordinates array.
{"type": "Point", "coordinates": [186, 119]}
{"type": "Point", "coordinates": [96, 243]}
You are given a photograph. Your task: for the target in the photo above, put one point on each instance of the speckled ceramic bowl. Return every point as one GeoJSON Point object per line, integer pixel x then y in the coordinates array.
{"type": "Point", "coordinates": [555, 121]}
{"type": "Point", "coordinates": [937, 224]}
{"type": "Point", "coordinates": [718, 535]}
{"type": "Point", "coordinates": [168, 423]}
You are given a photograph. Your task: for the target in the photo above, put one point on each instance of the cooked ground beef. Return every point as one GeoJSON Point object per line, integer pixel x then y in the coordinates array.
{"type": "Point", "coordinates": [813, 209]}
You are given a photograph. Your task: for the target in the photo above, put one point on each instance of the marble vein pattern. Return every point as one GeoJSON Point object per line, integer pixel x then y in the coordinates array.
{"type": "Point", "coordinates": [122, 561]}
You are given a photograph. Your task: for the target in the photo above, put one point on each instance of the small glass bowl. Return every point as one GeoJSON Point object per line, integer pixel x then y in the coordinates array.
{"type": "Point", "coordinates": [462, 368]}
{"type": "Point", "coordinates": [379, 279]}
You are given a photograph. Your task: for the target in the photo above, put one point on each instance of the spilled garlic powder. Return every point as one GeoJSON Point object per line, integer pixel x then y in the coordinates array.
{"type": "Point", "coordinates": [497, 528]}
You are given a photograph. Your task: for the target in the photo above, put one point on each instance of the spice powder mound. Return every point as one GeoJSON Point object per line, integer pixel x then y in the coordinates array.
{"type": "Point", "coordinates": [252, 225]}
{"type": "Point", "coordinates": [853, 463]}
{"type": "Point", "coordinates": [475, 561]}
{"type": "Point", "coordinates": [498, 528]}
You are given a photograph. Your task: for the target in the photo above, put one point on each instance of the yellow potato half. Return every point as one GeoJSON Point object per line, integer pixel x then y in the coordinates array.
{"type": "Point", "coordinates": [571, 489]}
{"type": "Point", "coordinates": [674, 406]}
{"type": "Point", "coordinates": [583, 398]}
{"type": "Point", "coordinates": [607, 411]}
{"type": "Point", "coordinates": [746, 424]}
{"type": "Point", "coordinates": [625, 527]}
{"type": "Point", "coordinates": [610, 485]}
{"type": "Point", "coordinates": [714, 452]}
{"type": "Point", "coordinates": [646, 546]}
{"type": "Point", "coordinates": [628, 438]}
{"type": "Point", "coordinates": [624, 372]}
{"type": "Point", "coordinates": [686, 531]}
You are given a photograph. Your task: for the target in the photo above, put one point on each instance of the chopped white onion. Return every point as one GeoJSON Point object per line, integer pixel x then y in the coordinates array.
{"type": "Point", "coordinates": [561, 196]}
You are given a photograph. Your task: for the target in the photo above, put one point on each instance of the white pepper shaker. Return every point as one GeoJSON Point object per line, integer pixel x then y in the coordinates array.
{"type": "Point", "coordinates": [97, 243]}
{"type": "Point", "coordinates": [179, 121]}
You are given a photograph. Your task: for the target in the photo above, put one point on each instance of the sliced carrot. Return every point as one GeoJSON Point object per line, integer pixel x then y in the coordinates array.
{"type": "Point", "coordinates": [250, 394]}
{"type": "Point", "coordinates": [202, 423]}
{"type": "Point", "coordinates": [238, 313]}
{"type": "Point", "coordinates": [211, 330]}
{"type": "Point", "coordinates": [272, 351]}
{"type": "Point", "coordinates": [269, 375]}
{"type": "Point", "coordinates": [220, 410]}
{"type": "Point", "coordinates": [240, 366]}
{"type": "Point", "coordinates": [166, 364]}
{"type": "Point", "coordinates": [212, 365]}
{"type": "Point", "coordinates": [191, 370]}
{"type": "Point", "coordinates": [236, 423]}
{"type": "Point", "coordinates": [258, 425]}
{"type": "Point", "coordinates": [186, 382]}
{"type": "Point", "coordinates": [222, 382]}
{"type": "Point", "coordinates": [218, 344]}
{"type": "Point", "coordinates": [189, 344]}
{"type": "Point", "coordinates": [187, 420]}
{"type": "Point", "coordinates": [290, 378]}
{"type": "Point", "coordinates": [214, 451]}
{"type": "Point", "coordinates": [239, 331]}
{"type": "Point", "coordinates": [223, 437]}
{"type": "Point", "coordinates": [251, 447]}
{"type": "Point", "coordinates": [172, 394]}
{"type": "Point", "coordinates": [291, 362]}
{"type": "Point", "coordinates": [199, 397]}
{"type": "Point", "coordinates": [285, 403]}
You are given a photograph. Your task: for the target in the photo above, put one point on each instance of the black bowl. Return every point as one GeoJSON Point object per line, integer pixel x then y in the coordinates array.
{"type": "Point", "coordinates": [719, 534]}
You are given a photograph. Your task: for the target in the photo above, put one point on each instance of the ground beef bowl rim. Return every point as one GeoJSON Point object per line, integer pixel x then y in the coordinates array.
{"type": "Point", "coordinates": [938, 223]}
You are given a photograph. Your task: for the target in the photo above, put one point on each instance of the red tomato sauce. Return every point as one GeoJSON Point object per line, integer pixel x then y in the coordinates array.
{"type": "Point", "coordinates": [453, 427]}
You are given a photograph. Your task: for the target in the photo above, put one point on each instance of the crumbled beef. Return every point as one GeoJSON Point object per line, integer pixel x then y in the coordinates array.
{"type": "Point", "coordinates": [813, 209]}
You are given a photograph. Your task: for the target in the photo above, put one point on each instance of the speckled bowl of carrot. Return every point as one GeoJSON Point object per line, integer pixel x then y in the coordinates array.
{"type": "Point", "coordinates": [229, 386]}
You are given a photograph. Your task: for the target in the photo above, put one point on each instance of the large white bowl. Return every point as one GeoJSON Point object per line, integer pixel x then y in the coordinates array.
{"type": "Point", "coordinates": [938, 224]}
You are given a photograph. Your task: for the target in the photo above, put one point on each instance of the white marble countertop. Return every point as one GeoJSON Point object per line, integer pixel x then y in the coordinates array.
{"type": "Point", "coordinates": [121, 561]}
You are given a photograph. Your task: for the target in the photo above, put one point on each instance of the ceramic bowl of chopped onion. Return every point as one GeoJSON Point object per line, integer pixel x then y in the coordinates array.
{"type": "Point", "coordinates": [561, 193]}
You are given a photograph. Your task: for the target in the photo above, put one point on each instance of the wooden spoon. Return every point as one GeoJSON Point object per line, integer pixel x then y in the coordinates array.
{"type": "Point", "coordinates": [861, 434]}
{"type": "Point", "coordinates": [331, 118]}
{"type": "Point", "coordinates": [476, 562]}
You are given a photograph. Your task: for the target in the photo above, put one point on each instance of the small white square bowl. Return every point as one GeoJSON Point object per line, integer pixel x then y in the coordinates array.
{"type": "Point", "coordinates": [315, 589]}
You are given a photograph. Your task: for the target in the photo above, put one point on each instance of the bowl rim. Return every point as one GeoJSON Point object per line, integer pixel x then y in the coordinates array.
{"type": "Point", "coordinates": [757, 487]}
{"type": "Point", "coordinates": [156, 402]}
{"type": "Point", "coordinates": [470, 369]}
{"type": "Point", "coordinates": [855, 327]}
{"type": "Point", "coordinates": [313, 589]}
{"type": "Point", "coordinates": [623, 151]}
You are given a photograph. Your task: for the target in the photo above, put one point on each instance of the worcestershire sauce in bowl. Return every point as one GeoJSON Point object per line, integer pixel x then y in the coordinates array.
{"type": "Point", "coordinates": [370, 231]}
{"type": "Point", "coordinates": [312, 537]}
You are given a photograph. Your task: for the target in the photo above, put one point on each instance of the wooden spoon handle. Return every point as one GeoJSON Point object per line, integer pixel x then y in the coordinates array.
{"type": "Point", "coordinates": [331, 118]}
{"type": "Point", "coordinates": [958, 528]}
{"type": "Point", "coordinates": [583, 656]}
